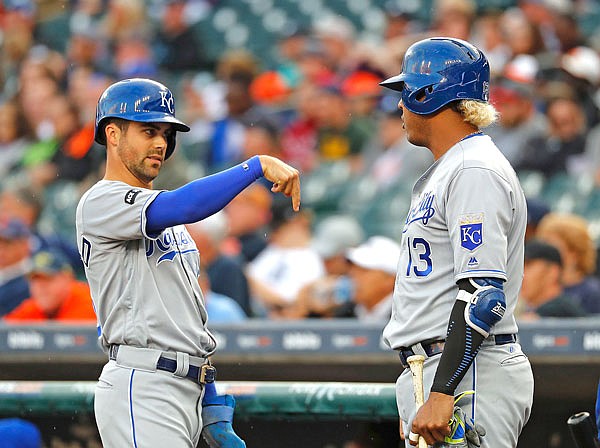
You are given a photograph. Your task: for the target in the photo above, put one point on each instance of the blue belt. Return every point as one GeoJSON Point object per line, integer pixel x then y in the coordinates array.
{"type": "Point", "coordinates": [205, 373]}
{"type": "Point", "coordinates": [435, 347]}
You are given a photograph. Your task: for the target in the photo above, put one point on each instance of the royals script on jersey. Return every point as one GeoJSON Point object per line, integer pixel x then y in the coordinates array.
{"type": "Point", "coordinates": [467, 219]}
{"type": "Point", "coordinates": [144, 287]}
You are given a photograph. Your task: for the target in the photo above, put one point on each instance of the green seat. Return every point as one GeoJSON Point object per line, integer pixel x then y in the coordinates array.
{"type": "Point", "coordinates": [532, 182]}
{"type": "Point", "coordinates": [60, 204]}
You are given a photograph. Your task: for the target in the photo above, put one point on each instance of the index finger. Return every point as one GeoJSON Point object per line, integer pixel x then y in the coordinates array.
{"type": "Point", "coordinates": [296, 194]}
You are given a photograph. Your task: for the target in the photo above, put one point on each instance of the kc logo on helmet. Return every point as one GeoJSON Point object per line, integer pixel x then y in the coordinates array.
{"type": "Point", "coordinates": [471, 231]}
{"type": "Point", "coordinates": [166, 100]}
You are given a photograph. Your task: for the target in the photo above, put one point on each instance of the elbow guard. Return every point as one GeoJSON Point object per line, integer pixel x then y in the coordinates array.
{"type": "Point", "coordinates": [486, 303]}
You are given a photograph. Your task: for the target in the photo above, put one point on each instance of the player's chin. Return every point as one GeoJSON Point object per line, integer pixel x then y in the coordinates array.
{"type": "Point", "coordinates": [150, 171]}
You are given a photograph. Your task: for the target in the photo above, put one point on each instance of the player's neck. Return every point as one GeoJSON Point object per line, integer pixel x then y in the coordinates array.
{"type": "Point", "coordinates": [119, 172]}
{"type": "Point", "coordinates": [448, 128]}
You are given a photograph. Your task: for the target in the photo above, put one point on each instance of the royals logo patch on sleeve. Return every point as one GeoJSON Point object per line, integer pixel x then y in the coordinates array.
{"type": "Point", "coordinates": [471, 231]}
{"type": "Point", "coordinates": [131, 195]}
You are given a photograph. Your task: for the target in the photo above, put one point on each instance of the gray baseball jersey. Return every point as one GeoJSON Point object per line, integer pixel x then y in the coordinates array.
{"type": "Point", "coordinates": [144, 287]}
{"type": "Point", "coordinates": [467, 219]}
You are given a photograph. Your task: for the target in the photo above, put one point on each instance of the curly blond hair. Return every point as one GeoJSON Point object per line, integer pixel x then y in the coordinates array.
{"type": "Point", "coordinates": [477, 113]}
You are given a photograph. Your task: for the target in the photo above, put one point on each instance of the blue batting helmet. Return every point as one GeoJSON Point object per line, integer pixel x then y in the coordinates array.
{"type": "Point", "coordinates": [440, 70]}
{"type": "Point", "coordinates": [138, 99]}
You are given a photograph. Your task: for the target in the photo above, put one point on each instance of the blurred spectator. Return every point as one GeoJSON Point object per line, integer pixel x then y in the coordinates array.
{"type": "Point", "coordinates": [86, 48]}
{"type": "Point", "coordinates": [55, 293]}
{"type": "Point", "coordinates": [287, 264]}
{"type": "Point", "coordinates": [542, 289]}
{"type": "Point", "coordinates": [19, 433]}
{"type": "Point", "coordinates": [290, 47]}
{"type": "Point", "coordinates": [229, 132]}
{"type": "Point", "coordinates": [391, 157]}
{"type": "Point", "coordinates": [561, 148]}
{"type": "Point", "coordinates": [271, 89]}
{"type": "Point", "coordinates": [570, 234]}
{"type": "Point", "coordinates": [522, 36]}
{"type": "Point", "coordinates": [333, 236]}
{"type": "Point", "coordinates": [249, 216]}
{"type": "Point", "coordinates": [398, 22]}
{"type": "Point", "coordinates": [361, 88]}
{"type": "Point", "coordinates": [299, 137]}
{"type": "Point", "coordinates": [373, 272]}
{"type": "Point", "coordinates": [177, 46]}
{"type": "Point", "coordinates": [313, 64]}
{"type": "Point", "coordinates": [13, 137]}
{"type": "Point", "coordinates": [69, 155]}
{"type": "Point", "coordinates": [291, 43]}
{"type": "Point", "coordinates": [17, 21]}
{"type": "Point", "coordinates": [14, 263]}
{"type": "Point", "coordinates": [26, 205]}
{"type": "Point", "coordinates": [340, 136]}
{"type": "Point", "coordinates": [195, 145]}
{"type": "Point", "coordinates": [536, 210]}
{"type": "Point", "coordinates": [337, 34]}
{"type": "Point", "coordinates": [487, 34]}
{"type": "Point", "coordinates": [453, 18]}
{"type": "Point", "coordinates": [34, 97]}
{"type": "Point", "coordinates": [579, 69]}
{"type": "Point", "coordinates": [225, 273]}
{"type": "Point", "coordinates": [261, 137]}
{"type": "Point", "coordinates": [219, 307]}
{"type": "Point", "coordinates": [274, 91]}
{"type": "Point", "coordinates": [124, 19]}
{"type": "Point", "coordinates": [133, 58]}
{"type": "Point", "coordinates": [519, 119]}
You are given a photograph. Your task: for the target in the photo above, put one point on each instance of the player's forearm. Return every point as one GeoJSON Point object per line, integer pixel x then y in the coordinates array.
{"type": "Point", "coordinates": [202, 197]}
{"type": "Point", "coordinates": [460, 349]}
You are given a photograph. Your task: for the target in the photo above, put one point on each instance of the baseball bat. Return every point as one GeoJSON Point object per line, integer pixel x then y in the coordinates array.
{"type": "Point", "coordinates": [583, 430]}
{"type": "Point", "coordinates": [416, 368]}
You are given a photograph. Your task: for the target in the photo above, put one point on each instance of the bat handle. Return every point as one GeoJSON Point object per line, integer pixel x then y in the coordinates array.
{"type": "Point", "coordinates": [416, 367]}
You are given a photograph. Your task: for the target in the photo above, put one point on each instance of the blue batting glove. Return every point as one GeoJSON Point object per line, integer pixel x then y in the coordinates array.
{"type": "Point", "coordinates": [217, 416]}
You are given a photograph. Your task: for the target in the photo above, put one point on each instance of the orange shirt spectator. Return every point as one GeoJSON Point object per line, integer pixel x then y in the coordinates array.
{"type": "Point", "coordinates": [55, 293]}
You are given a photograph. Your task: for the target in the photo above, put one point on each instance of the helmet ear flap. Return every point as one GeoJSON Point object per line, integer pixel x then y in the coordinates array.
{"type": "Point", "coordinates": [171, 142]}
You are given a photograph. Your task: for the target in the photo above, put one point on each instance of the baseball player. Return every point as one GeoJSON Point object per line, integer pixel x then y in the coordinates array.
{"type": "Point", "coordinates": [461, 263]}
{"type": "Point", "coordinates": [143, 266]}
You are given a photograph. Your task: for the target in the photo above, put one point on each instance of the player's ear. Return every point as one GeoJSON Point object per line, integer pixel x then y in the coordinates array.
{"type": "Point", "coordinates": [113, 133]}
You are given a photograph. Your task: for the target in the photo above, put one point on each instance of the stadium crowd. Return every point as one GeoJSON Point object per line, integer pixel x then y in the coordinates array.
{"type": "Point", "coordinates": [306, 92]}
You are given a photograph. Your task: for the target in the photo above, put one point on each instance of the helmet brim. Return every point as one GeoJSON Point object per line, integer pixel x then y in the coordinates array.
{"type": "Point", "coordinates": [159, 117]}
{"type": "Point", "coordinates": [178, 125]}
{"type": "Point", "coordinates": [414, 81]}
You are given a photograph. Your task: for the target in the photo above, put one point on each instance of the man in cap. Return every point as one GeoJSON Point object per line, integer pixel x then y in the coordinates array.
{"type": "Point", "coordinates": [14, 263]}
{"type": "Point", "coordinates": [55, 292]}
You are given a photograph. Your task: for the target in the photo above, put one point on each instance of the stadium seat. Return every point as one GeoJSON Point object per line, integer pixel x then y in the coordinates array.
{"type": "Point", "coordinates": [58, 214]}
{"type": "Point", "coordinates": [532, 182]}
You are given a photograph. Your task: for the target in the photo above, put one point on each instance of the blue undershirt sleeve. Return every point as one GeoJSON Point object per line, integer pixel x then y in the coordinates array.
{"type": "Point", "coordinates": [200, 198]}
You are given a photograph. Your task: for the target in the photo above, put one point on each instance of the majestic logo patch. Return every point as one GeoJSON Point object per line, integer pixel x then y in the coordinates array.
{"type": "Point", "coordinates": [473, 262]}
{"type": "Point", "coordinates": [131, 195]}
{"type": "Point", "coordinates": [471, 231]}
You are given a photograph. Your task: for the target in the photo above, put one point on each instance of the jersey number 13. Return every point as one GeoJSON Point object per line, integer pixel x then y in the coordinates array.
{"type": "Point", "coordinates": [419, 257]}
